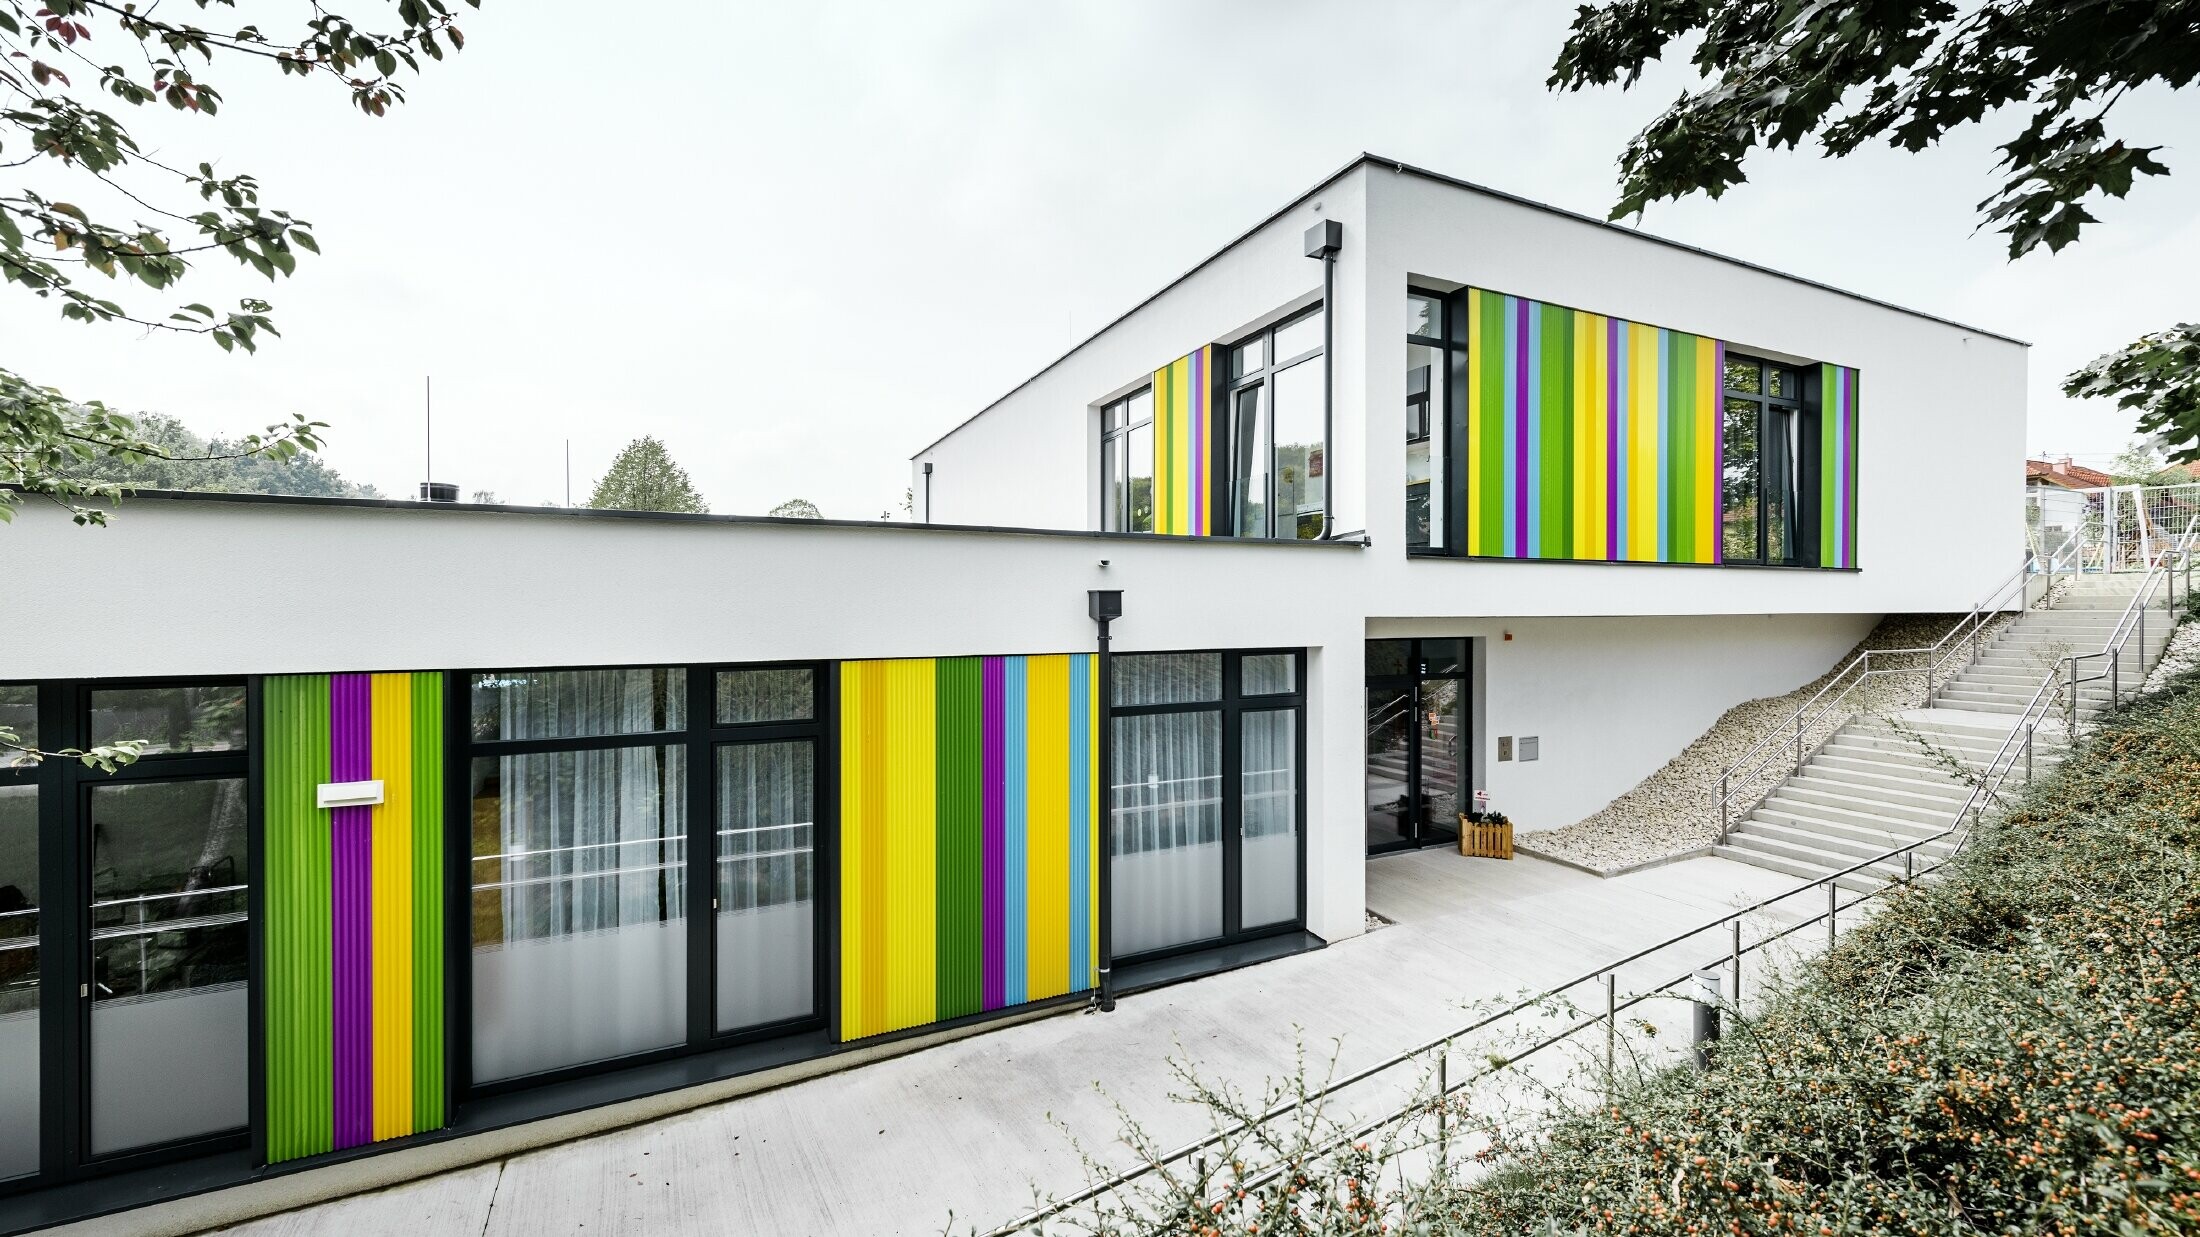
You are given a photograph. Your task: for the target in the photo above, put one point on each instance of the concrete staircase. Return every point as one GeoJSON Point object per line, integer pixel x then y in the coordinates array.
{"type": "Point", "coordinates": [1885, 781]}
{"type": "Point", "coordinates": [2009, 669]}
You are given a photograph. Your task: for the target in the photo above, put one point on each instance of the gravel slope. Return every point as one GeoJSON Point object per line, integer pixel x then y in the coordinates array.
{"type": "Point", "coordinates": [1673, 811]}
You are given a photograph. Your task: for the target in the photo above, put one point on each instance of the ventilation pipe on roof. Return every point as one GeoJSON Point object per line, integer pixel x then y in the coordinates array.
{"type": "Point", "coordinates": [1323, 240]}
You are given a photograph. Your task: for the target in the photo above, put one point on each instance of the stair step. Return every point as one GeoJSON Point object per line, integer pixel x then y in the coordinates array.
{"type": "Point", "coordinates": [1858, 764]}
{"type": "Point", "coordinates": [1855, 843]}
{"type": "Point", "coordinates": [1835, 771]}
{"type": "Point", "coordinates": [1782, 808]}
{"type": "Point", "coordinates": [1924, 796]}
{"type": "Point", "coordinates": [1854, 882]}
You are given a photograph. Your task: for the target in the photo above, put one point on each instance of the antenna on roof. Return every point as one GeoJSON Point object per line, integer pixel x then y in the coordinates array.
{"type": "Point", "coordinates": [431, 490]}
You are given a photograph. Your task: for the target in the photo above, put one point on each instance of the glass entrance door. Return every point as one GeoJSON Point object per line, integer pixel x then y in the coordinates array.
{"type": "Point", "coordinates": [1416, 741]}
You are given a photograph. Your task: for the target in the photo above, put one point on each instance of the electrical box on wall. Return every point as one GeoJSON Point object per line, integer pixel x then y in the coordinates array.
{"type": "Point", "coordinates": [1504, 747]}
{"type": "Point", "coordinates": [1530, 746]}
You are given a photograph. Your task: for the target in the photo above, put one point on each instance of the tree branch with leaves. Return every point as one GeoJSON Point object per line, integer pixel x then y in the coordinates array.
{"type": "Point", "coordinates": [70, 71]}
{"type": "Point", "coordinates": [1848, 73]}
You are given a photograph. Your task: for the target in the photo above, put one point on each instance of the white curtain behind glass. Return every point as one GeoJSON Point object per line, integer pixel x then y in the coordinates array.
{"type": "Point", "coordinates": [1167, 820]}
{"type": "Point", "coordinates": [580, 878]}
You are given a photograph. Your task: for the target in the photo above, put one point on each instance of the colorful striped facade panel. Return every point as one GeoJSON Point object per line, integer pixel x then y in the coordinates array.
{"type": "Point", "coordinates": [353, 930]}
{"type": "Point", "coordinates": [1181, 437]}
{"type": "Point", "coordinates": [969, 827]}
{"type": "Point", "coordinates": [1837, 466]}
{"type": "Point", "coordinates": [1588, 437]}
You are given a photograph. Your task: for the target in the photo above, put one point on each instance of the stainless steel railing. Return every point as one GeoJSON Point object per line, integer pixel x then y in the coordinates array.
{"type": "Point", "coordinates": [2163, 569]}
{"type": "Point", "coordinates": [1433, 1057]}
{"type": "Point", "coordinates": [1748, 778]}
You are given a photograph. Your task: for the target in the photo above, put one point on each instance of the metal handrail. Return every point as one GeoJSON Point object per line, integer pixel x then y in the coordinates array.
{"type": "Point", "coordinates": [2133, 620]}
{"type": "Point", "coordinates": [1985, 791]}
{"type": "Point", "coordinates": [1752, 763]}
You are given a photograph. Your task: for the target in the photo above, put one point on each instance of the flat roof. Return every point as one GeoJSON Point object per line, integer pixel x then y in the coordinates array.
{"type": "Point", "coordinates": [1359, 541]}
{"type": "Point", "coordinates": [1408, 169]}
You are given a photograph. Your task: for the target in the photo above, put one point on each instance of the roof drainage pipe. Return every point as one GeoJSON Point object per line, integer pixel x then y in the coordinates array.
{"type": "Point", "coordinates": [1323, 240]}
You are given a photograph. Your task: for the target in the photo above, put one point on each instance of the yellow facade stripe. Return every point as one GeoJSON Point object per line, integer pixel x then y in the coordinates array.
{"type": "Point", "coordinates": [390, 863]}
{"type": "Point", "coordinates": [1642, 477]}
{"type": "Point", "coordinates": [1598, 457]}
{"type": "Point", "coordinates": [856, 964]}
{"type": "Point", "coordinates": [1473, 444]}
{"type": "Point", "coordinates": [1707, 430]}
{"type": "Point", "coordinates": [912, 851]}
{"type": "Point", "coordinates": [1046, 853]}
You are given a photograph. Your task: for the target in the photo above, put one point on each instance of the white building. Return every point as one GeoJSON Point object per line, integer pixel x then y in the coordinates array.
{"type": "Point", "coordinates": [1482, 496]}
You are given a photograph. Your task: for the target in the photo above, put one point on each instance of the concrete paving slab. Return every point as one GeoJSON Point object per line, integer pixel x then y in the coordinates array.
{"type": "Point", "coordinates": [965, 1129]}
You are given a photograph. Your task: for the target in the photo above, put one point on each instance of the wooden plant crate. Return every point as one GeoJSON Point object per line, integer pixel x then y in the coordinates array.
{"type": "Point", "coordinates": [1485, 841]}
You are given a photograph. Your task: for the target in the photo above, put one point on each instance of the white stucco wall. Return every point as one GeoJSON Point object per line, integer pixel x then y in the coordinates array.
{"type": "Point", "coordinates": [196, 588]}
{"type": "Point", "coordinates": [1613, 699]}
{"type": "Point", "coordinates": [1941, 417]}
{"type": "Point", "coordinates": [1032, 459]}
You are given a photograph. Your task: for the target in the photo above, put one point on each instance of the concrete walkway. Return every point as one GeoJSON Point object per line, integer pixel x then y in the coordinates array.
{"type": "Point", "coordinates": [961, 1132]}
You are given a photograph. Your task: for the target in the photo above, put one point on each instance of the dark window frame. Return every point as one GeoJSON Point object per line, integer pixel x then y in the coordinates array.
{"type": "Point", "coordinates": [698, 742]}
{"type": "Point", "coordinates": [1115, 458]}
{"type": "Point", "coordinates": [1445, 475]}
{"type": "Point", "coordinates": [65, 947]}
{"type": "Point", "coordinates": [1232, 704]}
{"type": "Point", "coordinates": [1802, 516]}
{"type": "Point", "coordinates": [1222, 426]}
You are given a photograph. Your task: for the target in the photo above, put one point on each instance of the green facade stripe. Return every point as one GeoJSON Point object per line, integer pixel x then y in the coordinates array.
{"type": "Point", "coordinates": [427, 890]}
{"type": "Point", "coordinates": [959, 702]}
{"type": "Point", "coordinates": [1551, 457]}
{"type": "Point", "coordinates": [1683, 466]}
{"type": "Point", "coordinates": [297, 994]}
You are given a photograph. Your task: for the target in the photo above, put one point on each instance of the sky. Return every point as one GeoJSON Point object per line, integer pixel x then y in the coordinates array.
{"type": "Point", "coordinates": [799, 241]}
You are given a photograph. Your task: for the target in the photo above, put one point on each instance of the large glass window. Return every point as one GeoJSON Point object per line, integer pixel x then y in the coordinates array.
{"type": "Point", "coordinates": [579, 907]}
{"type": "Point", "coordinates": [1205, 814]}
{"type": "Point", "coordinates": [1278, 457]}
{"type": "Point", "coordinates": [1770, 463]}
{"type": "Point", "coordinates": [1428, 384]}
{"type": "Point", "coordinates": [1126, 464]}
{"type": "Point", "coordinates": [639, 837]}
{"type": "Point", "coordinates": [767, 874]}
{"type": "Point", "coordinates": [196, 718]}
{"type": "Point", "coordinates": [19, 927]}
{"type": "Point", "coordinates": [1168, 830]}
{"type": "Point", "coordinates": [169, 1006]}
{"type": "Point", "coordinates": [579, 873]}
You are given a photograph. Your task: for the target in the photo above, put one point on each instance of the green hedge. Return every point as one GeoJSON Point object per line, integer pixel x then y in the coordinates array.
{"type": "Point", "coordinates": [2012, 1049]}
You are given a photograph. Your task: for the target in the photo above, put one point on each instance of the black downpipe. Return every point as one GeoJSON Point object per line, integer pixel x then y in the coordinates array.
{"type": "Point", "coordinates": [1105, 605]}
{"type": "Point", "coordinates": [1323, 240]}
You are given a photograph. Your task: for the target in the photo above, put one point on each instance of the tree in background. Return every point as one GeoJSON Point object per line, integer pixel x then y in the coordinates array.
{"type": "Point", "coordinates": [219, 466]}
{"type": "Point", "coordinates": [81, 197]}
{"type": "Point", "coordinates": [643, 477]}
{"type": "Point", "coordinates": [1908, 72]}
{"type": "Point", "coordinates": [797, 509]}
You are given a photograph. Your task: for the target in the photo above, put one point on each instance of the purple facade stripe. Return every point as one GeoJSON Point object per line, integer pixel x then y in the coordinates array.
{"type": "Point", "coordinates": [1520, 428]}
{"type": "Point", "coordinates": [1615, 462]}
{"type": "Point", "coordinates": [1718, 451]}
{"type": "Point", "coordinates": [350, 760]}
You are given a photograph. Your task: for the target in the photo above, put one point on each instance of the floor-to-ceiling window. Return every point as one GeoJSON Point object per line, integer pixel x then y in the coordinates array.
{"type": "Point", "coordinates": [643, 871]}
{"type": "Point", "coordinates": [1435, 361]}
{"type": "Point", "coordinates": [1126, 464]}
{"type": "Point", "coordinates": [1273, 427]}
{"type": "Point", "coordinates": [579, 867]}
{"type": "Point", "coordinates": [764, 736]}
{"type": "Point", "coordinates": [1770, 461]}
{"type": "Point", "coordinates": [124, 927]}
{"type": "Point", "coordinates": [19, 929]}
{"type": "Point", "coordinates": [1206, 802]}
